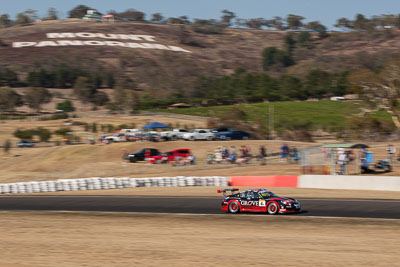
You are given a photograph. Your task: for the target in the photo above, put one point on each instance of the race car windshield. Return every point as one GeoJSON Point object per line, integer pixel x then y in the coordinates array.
{"type": "Point", "coordinates": [266, 194]}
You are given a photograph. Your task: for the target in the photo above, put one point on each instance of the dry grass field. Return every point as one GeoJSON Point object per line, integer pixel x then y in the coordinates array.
{"type": "Point", "coordinates": [33, 239]}
{"type": "Point", "coordinates": [50, 162]}
{"type": "Point", "coordinates": [77, 161]}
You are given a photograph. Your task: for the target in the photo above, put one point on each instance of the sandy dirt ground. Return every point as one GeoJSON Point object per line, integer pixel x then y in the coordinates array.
{"type": "Point", "coordinates": [109, 239]}
{"type": "Point", "coordinates": [212, 192]}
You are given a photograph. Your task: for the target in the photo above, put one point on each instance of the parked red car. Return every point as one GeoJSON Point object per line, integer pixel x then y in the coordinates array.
{"type": "Point", "coordinates": [170, 156]}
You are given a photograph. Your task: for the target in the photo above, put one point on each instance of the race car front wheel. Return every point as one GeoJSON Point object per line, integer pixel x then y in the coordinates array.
{"type": "Point", "coordinates": [233, 207]}
{"type": "Point", "coordinates": [272, 208]}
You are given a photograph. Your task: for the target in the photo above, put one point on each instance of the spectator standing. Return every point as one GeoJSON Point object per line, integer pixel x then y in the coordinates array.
{"type": "Point", "coordinates": [342, 160]}
{"type": "Point", "coordinates": [391, 151]}
{"type": "Point", "coordinates": [263, 154]}
{"type": "Point", "coordinates": [284, 152]}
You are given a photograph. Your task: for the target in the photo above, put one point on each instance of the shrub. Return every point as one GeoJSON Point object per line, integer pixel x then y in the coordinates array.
{"type": "Point", "coordinates": [43, 134]}
{"type": "Point", "coordinates": [7, 146]}
{"type": "Point", "coordinates": [24, 134]}
{"type": "Point", "coordinates": [66, 106]}
{"type": "Point", "coordinates": [59, 116]}
{"type": "Point", "coordinates": [62, 131]}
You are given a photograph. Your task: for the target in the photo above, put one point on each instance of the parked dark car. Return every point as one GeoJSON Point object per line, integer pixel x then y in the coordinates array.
{"type": "Point", "coordinates": [232, 135]}
{"type": "Point", "coordinates": [142, 154]}
{"type": "Point", "coordinates": [24, 143]}
{"type": "Point", "coordinates": [221, 129]}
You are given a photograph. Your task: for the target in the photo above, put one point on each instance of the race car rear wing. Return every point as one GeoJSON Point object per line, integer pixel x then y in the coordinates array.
{"type": "Point", "coordinates": [223, 191]}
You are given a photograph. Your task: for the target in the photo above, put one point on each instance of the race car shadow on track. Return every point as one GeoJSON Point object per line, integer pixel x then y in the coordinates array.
{"type": "Point", "coordinates": [302, 212]}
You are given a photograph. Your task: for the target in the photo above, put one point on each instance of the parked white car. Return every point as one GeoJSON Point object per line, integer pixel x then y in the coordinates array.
{"type": "Point", "coordinates": [199, 134]}
{"type": "Point", "coordinates": [115, 138]}
{"type": "Point", "coordinates": [174, 134]}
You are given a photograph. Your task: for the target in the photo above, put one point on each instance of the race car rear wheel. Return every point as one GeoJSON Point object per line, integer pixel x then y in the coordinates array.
{"type": "Point", "coordinates": [272, 208]}
{"type": "Point", "coordinates": [233, 207]}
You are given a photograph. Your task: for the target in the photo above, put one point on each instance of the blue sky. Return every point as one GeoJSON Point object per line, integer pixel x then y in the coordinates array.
{"type": "Point", "coordinates": [325, 11]}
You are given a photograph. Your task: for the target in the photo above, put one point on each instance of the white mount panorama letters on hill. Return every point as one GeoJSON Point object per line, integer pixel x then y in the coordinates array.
{"type": "Point", "coordinates": [109, 36]}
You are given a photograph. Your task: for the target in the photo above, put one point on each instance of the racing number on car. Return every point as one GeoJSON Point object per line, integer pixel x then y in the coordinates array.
{"type": "Point", "coordinates": [261, 203]}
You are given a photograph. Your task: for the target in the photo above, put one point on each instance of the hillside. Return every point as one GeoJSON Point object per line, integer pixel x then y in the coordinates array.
{"type": "Point", "coordinates": [162, 69]}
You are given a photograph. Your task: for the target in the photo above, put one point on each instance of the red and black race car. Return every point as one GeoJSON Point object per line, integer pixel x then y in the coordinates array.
{"type": "Point", "coordinates": [258, 200]}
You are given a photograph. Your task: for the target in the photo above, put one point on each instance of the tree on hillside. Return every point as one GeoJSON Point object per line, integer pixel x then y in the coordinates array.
{"type": "Point", "coordinates": [185, 19]}
{"type": "Point", "coordinates": [24, 134]}
{"type": "Point", "coordinates": [27, 17]}
{"type": "Point", "coordinates": [227, 17]}
{"type": "Point", "coordinates": [291, 88]}
{"type": "Point", "coordinates": [43, 134]}
{"type": "Point", "coordinates": [174, 21]}
{"type": "Point", "coordinates": [277, 23]}
{"type": "Point", "coordinates": [5, 21]}
{"type": "Point", "coordinates": [207, 26]}
{"type": "Point", "coordinates": [290, 42]}
{"type": "Point", "coordinates": [269, 56]}
{"type": "Point", "coordinates": [134, 102]}
{"type": "Point", "coordinates": [294, 22]}
{"type": "Point", "coordinates": [304, 39]}
{"type": "Point", "coordinates": [255, 23]}
{"type": "Point", "coordinates": [361, 22]}
{"type": "Point", "coordinates": [318, 83]}
{"type": "Point", "coordinates": [318, 27]}
{"type": "Point", "coordinates": [382, 88]}
{"type": "Point", "coordinates": [129, 84]}
{"type": "Point", "coordinates": [66, 106]}
{"type": "Point", "coordinates": [9, 99]}
{"type": "Point", "coordinates": [36, 97]}
{"type": "Point", "coordinates": [119, 98]}
{"type": "Point", "coordinates": [87, 92]}
{"type": "Point", "coordinates": [345, 24]}
{"type": "Point", "coordinates": [110, 80]}
{"type": "Point", "coordinates": [131, 15]}
{"type": "Point", "coordinates": [83, 90]}
{"type": "Point", "coordinates": [157, 18]}
{"type": "Point", "coordinates": [23, 19]}
{"type": "Point", "coordinates": [51, 14]}
{"type": "Point", "coordinates": [78, 11]}
{"type": "Point", "coordinates": [277, 58]}
{"type": "Point", "coordinates": [9, 77]}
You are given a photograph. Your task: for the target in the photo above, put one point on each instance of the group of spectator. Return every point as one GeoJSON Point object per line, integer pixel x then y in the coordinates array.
{"type": "Point", "coordinates": [225, 154]}
{"type": "Point", "coordinates": [182, 161]}
{"type": "Point", "coordinates": [344, 157]}
{"type": "Point", "coordinates": [289, 154]}
{"type": "Point", "coordinates": [243, 155]}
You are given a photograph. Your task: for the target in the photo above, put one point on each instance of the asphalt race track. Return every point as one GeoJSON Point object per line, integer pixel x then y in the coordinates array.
{"type": "Point", "coordinates": [389, 209]}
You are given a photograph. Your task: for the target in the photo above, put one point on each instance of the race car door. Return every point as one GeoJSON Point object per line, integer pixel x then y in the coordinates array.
{"type": "Point", "coordinates": [259, 202]}
{"type": "Point", "coordinates": [249, 201]}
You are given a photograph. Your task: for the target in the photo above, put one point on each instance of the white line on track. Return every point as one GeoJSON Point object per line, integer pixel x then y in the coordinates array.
{"type": "Point", "coordinates": [205, 214]}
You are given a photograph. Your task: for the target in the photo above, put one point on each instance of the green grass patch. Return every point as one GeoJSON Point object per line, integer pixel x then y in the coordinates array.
{"type": "Point", "coordinates": [323, 113]}
{"type": "Point", "coordinates": [12, 117]}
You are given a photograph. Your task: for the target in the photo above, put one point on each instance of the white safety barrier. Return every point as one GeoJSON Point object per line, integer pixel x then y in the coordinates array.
{"type": "Point", "coordinates": [388, 183]}
{"type": "Point", "coordinates": [97, 183]}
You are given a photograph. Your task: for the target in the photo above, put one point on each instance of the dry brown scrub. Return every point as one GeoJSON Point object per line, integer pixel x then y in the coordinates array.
{"type": "Point", "coordinates": [112, 239]}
